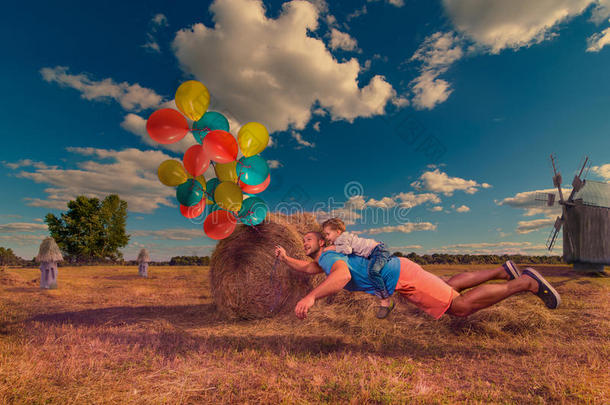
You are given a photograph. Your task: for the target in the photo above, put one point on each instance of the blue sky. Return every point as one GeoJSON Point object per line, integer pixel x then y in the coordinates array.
{"type": "Point", "coordinates": [425, 124]}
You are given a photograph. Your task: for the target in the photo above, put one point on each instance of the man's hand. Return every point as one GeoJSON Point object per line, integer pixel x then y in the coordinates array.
{"type": "Point", "coordinates": [303, 306]}
{"type": "Point", "coordinates": [280, 252]}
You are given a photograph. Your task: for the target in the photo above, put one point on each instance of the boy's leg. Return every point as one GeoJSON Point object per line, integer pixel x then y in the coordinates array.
{"type": "Point", "coordinates": [378, 259]}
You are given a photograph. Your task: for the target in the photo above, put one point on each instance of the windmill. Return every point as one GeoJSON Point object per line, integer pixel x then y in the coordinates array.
{"type": "Point", "coordinates": [585, 218]}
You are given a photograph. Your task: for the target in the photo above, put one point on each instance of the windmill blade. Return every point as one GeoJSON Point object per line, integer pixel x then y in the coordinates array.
{"type": "Point", "coordinates": [557, 179]}
{"type": "Point", "coordinates": [577, 183]}
{"type": "Point", "coordinates": [547, 199]}
{"type": "Point", "coordinates": [550, 242]}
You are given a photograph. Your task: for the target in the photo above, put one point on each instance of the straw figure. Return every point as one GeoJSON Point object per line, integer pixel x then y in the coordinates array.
{"type": "Point", "coordinates": [48, 256]}
{"type": "Point", "coordinates": [143, 260]}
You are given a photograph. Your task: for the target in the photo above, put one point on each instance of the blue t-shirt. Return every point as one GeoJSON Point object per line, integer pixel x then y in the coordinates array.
{"type": "Point", "coordinates": [358, 268]}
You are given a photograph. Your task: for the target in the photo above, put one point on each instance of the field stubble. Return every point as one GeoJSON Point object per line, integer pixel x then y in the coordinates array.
{"type": "Point", "coordinates": [109, 336]}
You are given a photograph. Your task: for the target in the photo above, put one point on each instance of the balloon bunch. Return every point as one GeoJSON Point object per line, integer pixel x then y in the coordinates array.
{"type": "Point", "coordinates": [226, 195]}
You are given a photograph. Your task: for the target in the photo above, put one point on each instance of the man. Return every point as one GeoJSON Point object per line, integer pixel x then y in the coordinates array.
{"type": "Point", "coordinates": [423, 289]}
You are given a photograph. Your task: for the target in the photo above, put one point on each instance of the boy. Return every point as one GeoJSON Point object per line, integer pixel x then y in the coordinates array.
{"type": "Point", "coordinates": [377, 253]}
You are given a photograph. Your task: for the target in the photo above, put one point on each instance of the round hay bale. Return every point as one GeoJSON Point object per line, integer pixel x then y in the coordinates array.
{"type": "Point", "coordinates": [246, 280]}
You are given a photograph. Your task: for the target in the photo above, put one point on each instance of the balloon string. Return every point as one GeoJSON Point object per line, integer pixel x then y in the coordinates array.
{"type": "Point", "coordinates": [200, 129]}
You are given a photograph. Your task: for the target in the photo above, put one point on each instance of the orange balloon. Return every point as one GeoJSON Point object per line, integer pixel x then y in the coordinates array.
{"type": "Point", "coordinates": [220, 146]}
{"type": "Point", "coordinates": [167, 126]}
{"type": "Point", "coordinates": [195, 160]}
{"type": "Point", "coordinates": [246, 188]}
{"type": "Point", "coordinates": [219, 224]}
{"type": "Point", "coordinates": [193, 211]}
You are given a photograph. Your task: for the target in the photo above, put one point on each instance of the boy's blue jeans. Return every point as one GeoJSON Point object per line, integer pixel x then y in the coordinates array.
{"type": "Point", "coordinates": [378, 258]}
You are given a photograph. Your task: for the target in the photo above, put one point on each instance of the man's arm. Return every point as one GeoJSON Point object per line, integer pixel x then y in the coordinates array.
{"type": "Point", "coordinates": [299, 265]}
{"type": "Point", "coordinates": [337, 279]}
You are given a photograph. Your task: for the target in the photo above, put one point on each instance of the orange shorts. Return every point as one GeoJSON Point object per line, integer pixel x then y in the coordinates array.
{"type": "Point", "coordinates": [427, 291]}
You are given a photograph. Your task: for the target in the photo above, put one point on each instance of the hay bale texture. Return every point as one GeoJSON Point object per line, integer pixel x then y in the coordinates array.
{"type": "Point", "coordinates": [246, 280]}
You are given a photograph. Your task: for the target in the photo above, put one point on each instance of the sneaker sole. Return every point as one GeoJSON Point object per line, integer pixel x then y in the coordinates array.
{"type": "Point", "coordinates": [542, 282]}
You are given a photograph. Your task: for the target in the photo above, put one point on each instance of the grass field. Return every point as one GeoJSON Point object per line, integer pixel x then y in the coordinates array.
{"type": "Point", "coordinates": [108, 336]}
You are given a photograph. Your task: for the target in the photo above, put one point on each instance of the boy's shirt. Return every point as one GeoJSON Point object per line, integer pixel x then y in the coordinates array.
{"type": "Point", "coordinates": [348, 243]}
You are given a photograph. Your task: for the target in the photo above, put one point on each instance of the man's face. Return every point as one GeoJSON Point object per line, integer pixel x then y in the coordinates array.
{"type": "Point", "coordinates": [311, 243]}
{"type": "Point", "coordinates": [331, 234]}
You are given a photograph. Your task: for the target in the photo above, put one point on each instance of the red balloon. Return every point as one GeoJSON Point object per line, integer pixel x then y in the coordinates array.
{"type": "Point", "coordinates": [246, 188]}
{"type": "Point", "coordinates": [220, 146]}
{"type": "Point", "coordinates": [195, 160]}
{"type": "Point", "coordinates": [219, 224]}
{"type": "Point", "coordinates": [193, 211]}
{"type": "Point", "coordinates": [167, 126]}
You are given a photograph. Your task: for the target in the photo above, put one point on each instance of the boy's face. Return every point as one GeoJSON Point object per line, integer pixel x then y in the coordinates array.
{"type": "Point", "coordinates": [331, 234]}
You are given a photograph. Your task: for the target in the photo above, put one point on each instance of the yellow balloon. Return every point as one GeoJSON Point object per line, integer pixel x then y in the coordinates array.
{"type": "Point", "coordinates": [193, 99]}
{"type": "Point", "coordinates": [171, 173]}
{"type": "Point", "coordinates": [226, 171]}
{"type": "Point", "coordinates": [229, 196]}
{"type": "Point", "coordinates": [252, 138]}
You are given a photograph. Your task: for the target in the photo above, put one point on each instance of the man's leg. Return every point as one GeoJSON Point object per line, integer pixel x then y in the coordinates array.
{"type": "Point", "coordinates": [462, 281]}
{"type": "Point", "coordinates": [486, 295]}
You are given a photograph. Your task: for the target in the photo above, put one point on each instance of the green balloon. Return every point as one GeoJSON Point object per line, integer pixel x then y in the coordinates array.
{"type": "Point", "coordinates": [189, 193]}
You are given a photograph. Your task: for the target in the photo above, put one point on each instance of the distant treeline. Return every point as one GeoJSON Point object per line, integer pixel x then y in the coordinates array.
{"type": "Point", "coordinates": [444, 258]}
{"type": "Point", "coordinates": [8, 258]}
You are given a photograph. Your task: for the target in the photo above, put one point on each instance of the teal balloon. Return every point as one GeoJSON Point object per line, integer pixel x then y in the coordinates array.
{"type": "Point", "coordinates": [189, 193]}
{"type": "Point", "coordinates": [211, 188]}
{"type": "Point", "coordinates": [252, 170]}
{"type": "Point", "coordinates": [253, 211]}
{"type": "Point", "coordinates": [210, 121]}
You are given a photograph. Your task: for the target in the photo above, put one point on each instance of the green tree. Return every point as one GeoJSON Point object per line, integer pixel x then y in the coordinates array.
{"type": "Point", "coordinates": [7, 256]}
{"type": "Point", "coordinates": [91, 230]}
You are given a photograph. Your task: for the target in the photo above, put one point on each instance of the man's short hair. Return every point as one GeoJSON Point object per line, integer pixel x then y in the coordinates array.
{"type": "Point", "coordinates": [334, 224]}
{"type": "Point", "coordinates": [318, 234]}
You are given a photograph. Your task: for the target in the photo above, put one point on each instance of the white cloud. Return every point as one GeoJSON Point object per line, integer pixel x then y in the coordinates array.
{"type": "Point", "coordinates": [132, 97]}
{"type": "Point", "coordinates": [357, 13]}
{"type": "Point", "coordinates": [602, 171]}
{"type": "Point", "coordinates": [499, 248]}
{"type": "Point", "coordinates": [403, 228]}
{"type": "Point", "coordinates": [436, 208]}
{"type": "Point", "coordinates": [27, 163]}
{"type": "Point", "coordinates": [302, 142]}
{"type": "Point", "coordinates": [410, 199]}
{"type": "Point", "coordinates": [597, 41]}
{"type": "Point", "coordinates": [499, 24]}
{"type": "Point", "coordinates": [170, 234]}
{"type": "Point", "coordinates": [405, 248]}
{"type": "Point", "coordinates": [397, 3]}
{"type": "Point", "coordinates": [355, 202]}
{"type": "Point", "coordinates": [385, 202]}
{"type": "Point", "coordinates": [526, 200]}
{"type": "Point", "coordinates": [316, 126]}
{"type": "Point", "coordinates": [158, 21]}
{"type": "Point", "coordinates": [22, 227]}
{"type": "Point", "coordinates": [342, 40]}
{"type": "Point", "coordinates": [274, 164]}
{"type": "Point", "coordinates": [439, 182]}
{"type": "Point", "coordinates": [462, 208]}
{"type": "Point", "coordinates": [437, 52]}
{"type": "Point", "coordinates": [130, 173]}
{"type": "Point", "coordinates": [534, 225]}
{"type": "Point", "coordinates": [278, 71]}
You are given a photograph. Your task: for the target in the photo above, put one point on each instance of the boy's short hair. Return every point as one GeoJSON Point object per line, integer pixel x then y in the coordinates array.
{"type": "Point", "coordinates": [334, 224]}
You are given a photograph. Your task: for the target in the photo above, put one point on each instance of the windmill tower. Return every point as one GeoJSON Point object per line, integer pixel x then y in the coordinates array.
{"type": "Point", "coordinates": [585, 218]}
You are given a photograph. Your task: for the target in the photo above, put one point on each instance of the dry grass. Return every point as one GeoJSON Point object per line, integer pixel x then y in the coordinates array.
{"type": "Point", "coordinates": [109, 336]}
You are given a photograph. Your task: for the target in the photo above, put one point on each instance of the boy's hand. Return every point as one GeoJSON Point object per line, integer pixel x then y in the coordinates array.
{"type": "Point", "coordinates": [280, 252]}
{"type": "Point", "coordinates": [331, 247]}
